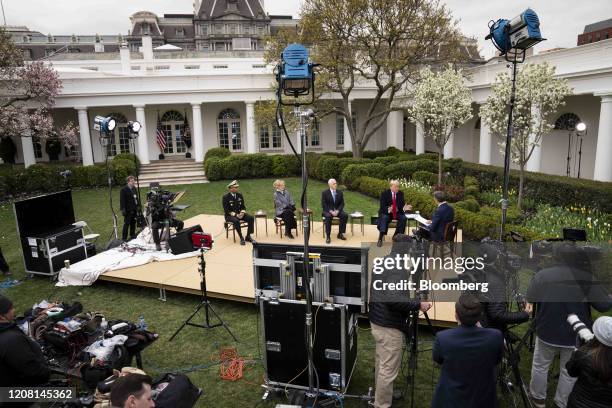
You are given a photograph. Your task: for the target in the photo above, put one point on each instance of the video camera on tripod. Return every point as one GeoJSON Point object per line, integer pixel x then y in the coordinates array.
{"type": "Point", "coordinates": [159, 203]}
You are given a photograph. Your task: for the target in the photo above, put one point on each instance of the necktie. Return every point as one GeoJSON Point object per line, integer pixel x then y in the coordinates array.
{"type": "Point", "coordinates": [333, 196]}
{"type": "Point", "coordinates": [394, 207]}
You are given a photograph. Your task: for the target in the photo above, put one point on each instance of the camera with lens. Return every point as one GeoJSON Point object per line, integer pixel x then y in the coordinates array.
{"type": "Point", "coordinates": [583, 334]}
{"type": "Point", "coordinates": [159, 204]}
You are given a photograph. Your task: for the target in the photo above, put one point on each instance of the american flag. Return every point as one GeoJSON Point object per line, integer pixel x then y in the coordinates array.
{"type": "Point", "coordinates": [161, 136]}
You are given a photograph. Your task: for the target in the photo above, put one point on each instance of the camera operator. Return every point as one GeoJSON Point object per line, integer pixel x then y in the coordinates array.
{"type": "Point", "coordinates": [389, 315]}
{"type": "Point", "coordinates": [561, 290]}
{"type": "Point", "coordinates": [160, 208]}
{"type": "Point", "coordinates": [592, 365]}
{"type": "Point", "coordinates": [496, 310]}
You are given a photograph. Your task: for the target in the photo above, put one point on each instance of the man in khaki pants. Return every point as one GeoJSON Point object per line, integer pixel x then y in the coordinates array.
{"type": "Point", "coordinates": [390, 308]}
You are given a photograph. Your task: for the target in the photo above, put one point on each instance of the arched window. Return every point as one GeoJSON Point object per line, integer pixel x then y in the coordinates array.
{"type": "Point", "coordinates": [173, 124]}
{"type": "Point", "coordinates": [567, 121]}
{"type": "Point", "coordinates": [119, 138]}
{"type": "Point", "coordinates": [228, 125]}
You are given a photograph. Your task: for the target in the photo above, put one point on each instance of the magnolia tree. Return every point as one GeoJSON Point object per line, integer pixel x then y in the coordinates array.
{"type": "Point", "coordinates": [379, 44]}
{"type": "Point", "coordinates": [27, 94]}
{"type": "Point", "coordinates": [538, 96]}
{"type": "Point", "coordinates": [442, 103]}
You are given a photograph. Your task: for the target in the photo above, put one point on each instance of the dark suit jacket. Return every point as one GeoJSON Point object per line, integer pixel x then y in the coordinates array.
{"type": "Point", "coordinates": [327, 201]}
{"type": "Point", "coordinates": [231, 204]}
{"type": "Point", "coordinates": [127, 204]}
{"type": "Point", "coordinates": [442, 216]}
{"type": "Point", "coordinates": [468, 356]}
{"type": "Point", "coordinates": [386, 200]}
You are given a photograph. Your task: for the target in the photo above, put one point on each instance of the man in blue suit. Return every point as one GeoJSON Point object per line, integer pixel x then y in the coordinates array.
{"type": "Point", "coordinates": [442, 216]}
{"type": "Point", "coordinates": [468, 355]}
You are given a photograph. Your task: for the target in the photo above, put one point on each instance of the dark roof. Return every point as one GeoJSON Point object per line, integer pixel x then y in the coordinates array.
{"type": "Point", "coordinates": [282, 17]}
{"type": "Point", "coordinates": [218, 8]}
{"type": "Point", "coordinates": [178, 15]}
{"type": "Point", "coordinates": [600, 25]}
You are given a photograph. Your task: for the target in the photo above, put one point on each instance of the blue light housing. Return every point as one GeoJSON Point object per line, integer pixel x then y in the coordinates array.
{"type": "Point", "coordinates": [520, 33]}
{"type": "Point", "coordinates": [296, 73]}
{"type": "Point", "coordinates": [104, 125]}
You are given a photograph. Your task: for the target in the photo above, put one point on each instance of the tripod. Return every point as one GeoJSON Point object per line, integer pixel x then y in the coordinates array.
{"type": "Point", "coordinates": [205, 303]}
{"type": "Point", "coordinates": [513, 388]}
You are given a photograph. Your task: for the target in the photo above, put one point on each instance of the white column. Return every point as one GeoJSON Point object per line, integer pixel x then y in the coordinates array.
{"type": "Point", "coordinates": [484, 155]}
{"type": "Point", "coordinates": [395, 130]}
{"type": "Point", "coordinates": [198, 132]}
{"type": "Point", "coordinates": [86, 152]}
{"type": "Point", "coordinates": [348, 145]}
{"type": "Point", "coordinates": [449, 147]}
{"type": "Point", "coordinates": [603, 154]}
{"type": "Point", "coordinates": [251, 137]}
{"type": "Point", "coordinates": [420, 139]}
{"type": "Point", "coordinates": [27, 145]}
{"type": "Point", "coordinates": [142, 143]}
{"type": "Point", "coordinates": [535, 161]}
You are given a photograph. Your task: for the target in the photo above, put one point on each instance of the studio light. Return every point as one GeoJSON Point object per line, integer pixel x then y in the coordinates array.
{"type": "Point", "coordinates": [104, 125]}
{"type": "Point", "coordinates": [295, 73]}
{"type": "Point", "coordinates": [134, 126]}
{"type": "Point", "coordinates": [520, 33]}
{"type": "Point", "coordinates": [581, 127]}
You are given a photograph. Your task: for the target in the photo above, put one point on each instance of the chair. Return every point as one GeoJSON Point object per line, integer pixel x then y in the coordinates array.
{"type": "Point", "coordinates": [450, 238]}
{"type": "Point", "coordinates": [280, 224]}
{"type": "Point", "coordinates": [90, 237]}
{"type": "Point", "coordinates": [229, 226]}
{"type": "Point", "coordinates": [334, 221]}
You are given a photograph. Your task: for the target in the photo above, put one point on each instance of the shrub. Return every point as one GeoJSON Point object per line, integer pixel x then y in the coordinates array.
{"type": "Point", "coordinates": [220, 152]}
{"type": "Point", "coordinates": [545, 188]}
{"type": "Point", "coordinates": [331, 167]}
{"type": "Point", "coordinates": [454, 166]}
{"type": "Point", "coordinates": [403, 169]}
{"type": "Point", "coordinates": [129, 157]}
{"type": "Point", "coordinates": [427, 156]}
{"type": "Point", "coordinates": [425, 177]}
{"type": "Point", "coordinates": [232, 167]}
{"type": "Point", "coordinates": [469, 204]}
{"type": "Point", "coordinates": [387, 160]}
{"type": "Point", "coordinates": [256, 165]}
{"type": "Point", "coordinates": [513, 215]}
{"type": "Point", "coordinates": [214, 168]}
{"type": "Point", "coordinates": [352, 172]}
{"type": "Point", "coordinates": [39, 177]}
{"type": "Point", "coordinates": [121, 169]}
{"type": "Point", "coordinates": [292, 164]}
{"type": "Point", "coordinates": [470, 181]}
{"type": "Point", "coordinates": [278, 166]}
{"type": "Point", "coordinates": [426, 165]}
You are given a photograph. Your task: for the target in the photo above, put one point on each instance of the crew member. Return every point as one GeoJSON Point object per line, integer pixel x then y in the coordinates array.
{"type": "Point", "coordinates": [129, 205]}
{"type": "Point", "coordinates": [235, 211]}
{"type": "Point", "coordinates": [22, 363]}
{"type": "Point", "coordinates": [389, 312]}
{"type": "Point", "coordinates": [132, 391]}
{"type": "Point", "coordinates": [332, 202]}
{"type": "Point", "coordinates": [284, 206]}
{"type": "Point", "coordinates": [443, 215]}
{"type": "Point", "coordinates": [468, 355]}
{"type": "Point", "coordinates": [391, 208]}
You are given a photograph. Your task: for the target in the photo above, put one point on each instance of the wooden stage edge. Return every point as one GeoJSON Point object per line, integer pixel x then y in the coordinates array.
{"type": "Point", "coordinates": [229, 266]}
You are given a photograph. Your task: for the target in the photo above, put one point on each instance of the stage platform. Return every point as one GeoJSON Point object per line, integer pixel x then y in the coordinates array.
{"type": "Point", "coordinates": [229, 266]}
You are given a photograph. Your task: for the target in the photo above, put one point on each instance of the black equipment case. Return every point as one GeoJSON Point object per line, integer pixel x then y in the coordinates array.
{"type": "Point", "coordinates": [285, 356]}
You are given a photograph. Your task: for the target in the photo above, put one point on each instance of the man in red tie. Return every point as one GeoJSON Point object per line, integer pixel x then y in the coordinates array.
{"type": "Point", "coordinates": [391, 208]}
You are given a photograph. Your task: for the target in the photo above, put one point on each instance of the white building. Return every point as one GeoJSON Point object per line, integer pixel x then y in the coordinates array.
{"type": "Point", "coordinates": [217, 96]}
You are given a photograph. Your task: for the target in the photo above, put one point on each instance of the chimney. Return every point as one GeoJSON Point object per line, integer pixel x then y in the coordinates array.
{"type": "Point", "coordinates": [124, 53]}
{"type": "Point", "coordinates": [147, 48]}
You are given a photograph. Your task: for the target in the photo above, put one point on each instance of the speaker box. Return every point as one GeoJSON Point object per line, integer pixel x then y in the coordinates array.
{"type": "Point", "coordinates": [181, 241]}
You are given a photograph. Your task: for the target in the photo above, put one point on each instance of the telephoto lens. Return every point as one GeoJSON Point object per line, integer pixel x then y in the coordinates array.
{"type": "Point", "coordinates": [579, 328]}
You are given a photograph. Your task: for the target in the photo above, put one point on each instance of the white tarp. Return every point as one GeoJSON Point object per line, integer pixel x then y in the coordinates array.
{"type": "Point", "coordinates": [139, 251]}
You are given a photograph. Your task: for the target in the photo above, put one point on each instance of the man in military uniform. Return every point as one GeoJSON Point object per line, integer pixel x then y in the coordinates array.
{"type": "Point", "coordinates": [235, 211]}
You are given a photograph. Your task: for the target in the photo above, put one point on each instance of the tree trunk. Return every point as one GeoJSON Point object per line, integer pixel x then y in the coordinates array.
{"type": "Point", "coordinates": [440, 166]}
{"type": "Point", "coordinates": [519, 203]}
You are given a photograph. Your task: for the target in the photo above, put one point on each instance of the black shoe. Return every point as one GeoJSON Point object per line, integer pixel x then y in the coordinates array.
{"type": "Point", "coordinates": [250, 239]}
{"type": "Point", "coordinates": [242, 241]}
{"type": "Point", "coordinates": [379, 243]}
{"type": "Point", "coordinates": [341, 236]}
{"type": "Point", "coordinates": [327, 240]}
{"type": "Point", "coordinates": [158, 247]}
{"type": "Point", "coordinates": [289, 235]}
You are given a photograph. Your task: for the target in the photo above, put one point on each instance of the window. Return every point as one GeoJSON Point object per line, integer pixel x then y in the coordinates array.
{"type": "Point", "coordinates": [161, 67]}
{"type": "Point", "coordinates": [180, 32]}
{"type": "Point", "coordinates": [37, 147]}
{"type": "Point", "coordinates": [273, 142]}
{"type": "Point", "coordinates": [597, 36]}
{"type": "Point", "coordinates": [228, 125]}
{"type": "Point", "coordinates": [606, 36]}
{"type": "Point", "coordinates": [339, 130]}
{"type": "Point", "coordinates": [118, 141]}
{"type": "Point", "coordinates": [204, 29]}
{"type": "Point", "coordinates": [257, 66]}
{"type": "Point", "coordinates": [192, 67]}
{"type": "Point", "coordinates": [173, 124]}
{"type": "Point", "coordinates": [264, 137]}
{"type": "Point", "coordinates": [354, 121]}
{"type": "Point", "coordinates": [146, 29]}
{"type": "Point", "coordinates": [277, 139]}
{"type": "Point", "coordinates": [314, 135]}
{"type": "Point", "coordinates": [220, 66]}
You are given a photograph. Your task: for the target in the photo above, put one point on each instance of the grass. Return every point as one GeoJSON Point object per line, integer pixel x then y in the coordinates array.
{"type": "Point", "coordinates": [194, 349]}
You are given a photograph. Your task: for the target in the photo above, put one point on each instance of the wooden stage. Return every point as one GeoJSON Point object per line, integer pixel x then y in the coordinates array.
{"type": "Point", "coordinates": [229, 266]}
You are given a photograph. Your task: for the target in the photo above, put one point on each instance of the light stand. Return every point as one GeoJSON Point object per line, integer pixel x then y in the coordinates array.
{"type": "Point", "coordinates": [204, 303]}
{"type": "Point", "coordinates": [512, 38]}
{"type": "Point", "coordinates": [581, 131]}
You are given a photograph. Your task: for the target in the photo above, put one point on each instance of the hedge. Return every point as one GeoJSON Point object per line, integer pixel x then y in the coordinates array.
{"type": "Point", "coordinates": [546, 188]}
{"type": "Point", "coordinates": [352, 172]}
{"type": "Point", "coordinates": [425, 177]}
{"type": "Point", "coordinates": [403, 169]}
{"type": "Point", "coordinates": [285, 165]}
{"type": "Point", "coordinates": [387, 160]}
{"type": "Point", "coordinates": [469, 204]}
{"type": "Point", "coordinates": [331, 167]}
{"type": "Point", "coordinates": [220, 152]}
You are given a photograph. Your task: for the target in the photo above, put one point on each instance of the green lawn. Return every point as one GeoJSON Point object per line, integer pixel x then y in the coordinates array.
{"type": "Point", "coordinates": [193, 349]}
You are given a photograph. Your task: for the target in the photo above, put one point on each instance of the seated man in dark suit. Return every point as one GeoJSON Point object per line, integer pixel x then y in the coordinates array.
{"type": "Point", "coordinates": [443, 215]}
{"type": "Point", "coordinates": [235, 211]}
{"type": "Point", "coordinates": [469, 355]}
{"type": "Point", "coordinates": [391, 208]}
{"type": "Point", "coordinates": [332, 202]}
